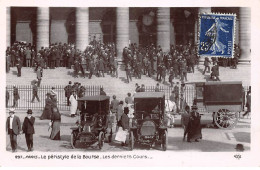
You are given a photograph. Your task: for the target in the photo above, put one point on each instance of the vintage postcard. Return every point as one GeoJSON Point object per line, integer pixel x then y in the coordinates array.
{"type": "Point", "coordinates": [130, 83]}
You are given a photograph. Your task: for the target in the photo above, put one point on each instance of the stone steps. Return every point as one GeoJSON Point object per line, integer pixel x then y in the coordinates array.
{"type": "Point", "coordinates": [117, 86]}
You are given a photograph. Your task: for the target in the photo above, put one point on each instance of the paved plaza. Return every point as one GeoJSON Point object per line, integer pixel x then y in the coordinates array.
{"type": "Point", "coordinates": [213, 140]}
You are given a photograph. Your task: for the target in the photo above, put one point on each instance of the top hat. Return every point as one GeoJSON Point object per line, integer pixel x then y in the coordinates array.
{"type": "Point", "coordinates": [29, 111]}
{"type": "Point", "coordinates": [11, 110]}
{"type": "Point", "coordinates": [240, 147]}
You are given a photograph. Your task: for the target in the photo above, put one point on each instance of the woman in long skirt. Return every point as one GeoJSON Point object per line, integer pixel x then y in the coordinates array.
{"type": "Point", "coordinates": [55, 123]}
{"type": "Point", "coordinates": [46, 114]}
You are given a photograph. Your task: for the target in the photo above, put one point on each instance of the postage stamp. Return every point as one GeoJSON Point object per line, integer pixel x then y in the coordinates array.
{"type": "Point", "coordinates": [216, 35]}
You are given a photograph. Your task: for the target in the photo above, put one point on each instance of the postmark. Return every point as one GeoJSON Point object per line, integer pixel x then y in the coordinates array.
{"type": "Point", "coordinates": [216, 35]}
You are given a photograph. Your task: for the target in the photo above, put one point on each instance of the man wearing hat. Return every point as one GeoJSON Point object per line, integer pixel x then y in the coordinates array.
{"type": "Point", "coordinates": [28, 129]}
{"type": "Point", "coordinates": [194, 127]}
{"type": "Point", "coordinates": [35, 92]}
{"type": "Point", "coordinates": [68, 92]}
{"type": "Point", "coordinates": [13, 127]}
{"type": "Point", "coordinates": [16, 96]}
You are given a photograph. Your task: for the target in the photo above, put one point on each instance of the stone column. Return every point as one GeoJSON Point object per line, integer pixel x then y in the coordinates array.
{"type": "Point", "coordinates": [82, 30]}
{"type": "Point", "coordinates": [163, 28]}
{"type": "Point", "coordinates": [8, 26]}
{"type": "Point", "coordinates": [245, 32]}
{"type": "Point", "coordinates": [205, 10]}
{"type": "Point", "coordinates": [43, 24]}
{"type": "Point", "coordinates": [122, 30]}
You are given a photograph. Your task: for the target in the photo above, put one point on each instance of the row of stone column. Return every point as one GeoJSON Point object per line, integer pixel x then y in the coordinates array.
{"type": "Point", "coordinates": [122, 28]}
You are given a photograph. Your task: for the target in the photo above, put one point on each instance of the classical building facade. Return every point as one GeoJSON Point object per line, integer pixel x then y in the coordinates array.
{"type": "Point", "coordinates": [162, 26]}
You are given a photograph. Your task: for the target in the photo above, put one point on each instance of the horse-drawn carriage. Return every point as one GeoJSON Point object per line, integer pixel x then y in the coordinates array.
{"type": "Point", "coordinates": [93, 121]}
{"type": "Point", "coordinates": [223, 99]}
{"type": "Point", "coordinates": [148, 125]}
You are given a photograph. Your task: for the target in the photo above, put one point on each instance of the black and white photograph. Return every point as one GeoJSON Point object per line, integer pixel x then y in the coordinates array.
{"type": "Point", "coordinates": [122, 82]}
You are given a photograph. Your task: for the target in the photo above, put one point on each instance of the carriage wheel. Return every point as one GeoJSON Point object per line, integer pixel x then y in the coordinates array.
{"type": "Point", "coordinates": [101, 140]}
{"type": "Point", "coordinates": [73, 140]}
{"type": "Point", "coordinates": [164, 140]}
{"type": "Point", "coordinates": [131, 141]}
{"type": "Point", "coordinates": [226, 119]}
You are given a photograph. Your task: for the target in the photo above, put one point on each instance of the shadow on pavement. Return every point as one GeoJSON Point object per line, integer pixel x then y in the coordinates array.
{"type": "Point", "coordinates": [242, 137]}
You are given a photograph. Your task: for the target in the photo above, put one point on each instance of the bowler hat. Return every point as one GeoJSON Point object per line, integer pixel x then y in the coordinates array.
{"type": "Point", "coordinates": [240, 147]}
{"type": "Point", "coordinates": [29, 111]}
{"type": "Point", "coordinates": [194, 107]}
{"type": "Point", "coordinates": [11, 110]}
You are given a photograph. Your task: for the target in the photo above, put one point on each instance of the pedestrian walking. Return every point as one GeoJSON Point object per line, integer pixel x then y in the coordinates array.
{"type": "Point", "coordinates": [19, 67]}
{"type": "Point", "coordinates": [16, 96]}
{"type": "Point", "coordinates": [39, 75]}
{"type": "Point", "coordinates": [35, 92]}
{"type": "Point", "coordinates": [47, 111]}
{"type": "Point", "coordinates": [55, 124]}
{"type": "Point", "coordinates": [206, 64]}
{"type": "Point", "coordinates": [68, 92]}
{"type": "Point", "coordinates": [28, 129]}
{"type": "Point", "coordinates": [248, 103]}
{"type": "Point", "coordinates": [128, 73]}
{"type": "Point", "coordinates": [185, 117]}
{"type": "Point", "coordinates": [13, 127]}
{"type": "Point", "coordinates": [194, 127]}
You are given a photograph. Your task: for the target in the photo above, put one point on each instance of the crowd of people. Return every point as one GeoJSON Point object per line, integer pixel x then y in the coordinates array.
{"type": "Point", "coordinates": [99, 58]}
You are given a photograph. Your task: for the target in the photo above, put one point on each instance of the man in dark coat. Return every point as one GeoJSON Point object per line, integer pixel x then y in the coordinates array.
{"type": "Point", "coordinates": [215, 72]}
{"type": "Point", "coordinates": [194, 127]}
{"type": "Point", "coordinates": [114, 105]}
{"type": "Point", "coordinates": [91, 69]}
{"type": "Point", "coordinates": [206, 64]}
{"type": "Point", "coordinates": [28, 129]}
{"type": "Point", "coordinates": [76, 68]}
{"type": "Point", "coordinates": [101, 67]}
{"type": "Point", "coordinates": [16, 96]}
{"type": "Point", "coordinates": [142, 89]}
{"type": "Point", "coordinates": [13, 127]}
{"type": "Point", "coordinates": [19, 67]}
{"type": "Point", "coordinates": [68, 92]}
{"type": "Point", "coordinates": [102, 92]}
{"type": "Point", "coordinates": [39, 76]}
{"type": "Point", "coordinates": [35, 92]}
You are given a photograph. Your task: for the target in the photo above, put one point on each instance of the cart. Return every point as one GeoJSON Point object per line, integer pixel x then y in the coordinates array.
{"type": "Point", "coordinates": [223, 99]}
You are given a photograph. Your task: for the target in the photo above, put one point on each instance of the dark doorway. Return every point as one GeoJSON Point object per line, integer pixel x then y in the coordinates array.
{"type": "Point", "coordinates": [108, 26]}
{"type": "Point", "coordinates": [71, 27]}
{"type": "Point", "coordinates": [184, 25]}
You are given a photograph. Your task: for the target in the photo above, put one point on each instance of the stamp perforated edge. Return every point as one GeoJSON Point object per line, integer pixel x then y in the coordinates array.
{"type": "Point", "coordinates": [234, 31]}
